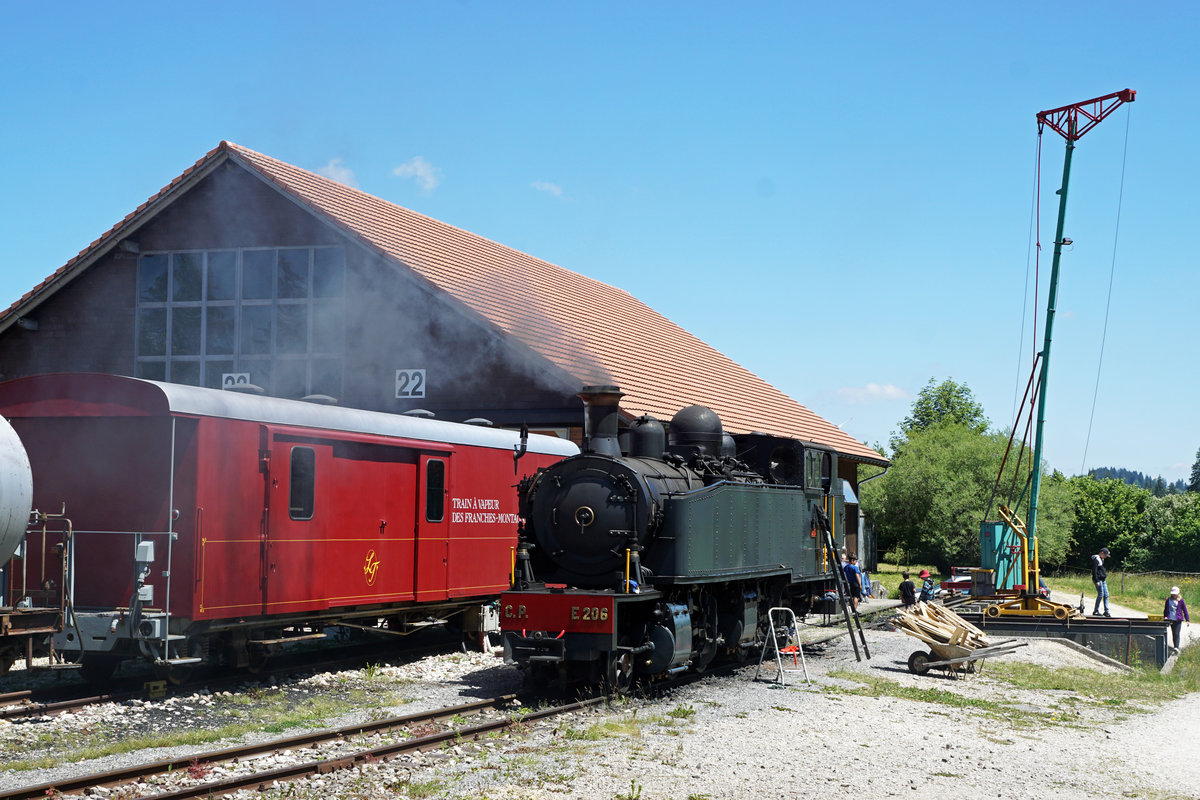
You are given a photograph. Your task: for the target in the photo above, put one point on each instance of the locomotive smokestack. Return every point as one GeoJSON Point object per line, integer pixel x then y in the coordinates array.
{"type": "Point", "coordinates": [600, 419]}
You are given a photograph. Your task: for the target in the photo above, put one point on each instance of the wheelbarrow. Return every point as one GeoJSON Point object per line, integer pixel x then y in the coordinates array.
{"type": "Point", "coordinates": [955, 658]}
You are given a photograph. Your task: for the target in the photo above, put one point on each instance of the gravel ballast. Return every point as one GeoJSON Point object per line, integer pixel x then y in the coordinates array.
{"type": "Point", "coordinates": [868, 729]}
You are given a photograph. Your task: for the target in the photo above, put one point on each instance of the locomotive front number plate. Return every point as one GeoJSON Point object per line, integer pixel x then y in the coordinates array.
{"type": "Point", "coordinates": [571, 613]}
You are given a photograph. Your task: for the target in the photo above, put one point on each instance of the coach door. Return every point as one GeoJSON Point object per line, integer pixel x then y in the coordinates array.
{"type": "Point", "coordinates": [293, 564]}
{"type": "Point", "coordinates": [432, 527]}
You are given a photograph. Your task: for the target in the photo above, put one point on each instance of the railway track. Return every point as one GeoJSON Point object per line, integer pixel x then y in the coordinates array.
{"type": "Point", "coordinates": [196, 768]}
{"type": "Point", "coordinates": [193, 769]}
{"type": "Point", "coordinates": [58, 700]}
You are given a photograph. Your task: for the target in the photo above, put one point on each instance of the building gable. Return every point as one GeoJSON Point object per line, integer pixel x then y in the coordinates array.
{"type": "Point", "coordinates": [514, 331]}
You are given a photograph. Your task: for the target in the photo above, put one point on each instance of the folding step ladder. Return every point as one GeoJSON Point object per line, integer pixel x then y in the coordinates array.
{"type": "Point", "coordinates": [790, 647]}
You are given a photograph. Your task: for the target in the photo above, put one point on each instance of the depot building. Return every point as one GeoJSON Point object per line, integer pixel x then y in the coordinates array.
{"type": "Point", "coordinates": [248, 271]}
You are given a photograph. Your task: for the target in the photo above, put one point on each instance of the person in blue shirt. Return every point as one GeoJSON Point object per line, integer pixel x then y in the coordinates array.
{"type": "Point", "coordinates": [853, 580]}
{"type": "Point", "coordinates": [927, 587]}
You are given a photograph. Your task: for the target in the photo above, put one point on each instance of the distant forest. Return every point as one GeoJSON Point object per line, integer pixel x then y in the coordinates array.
{"type": "Point", "coordinates": [1157, 485]}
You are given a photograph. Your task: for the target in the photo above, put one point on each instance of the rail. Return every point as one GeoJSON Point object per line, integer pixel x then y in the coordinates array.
{"type": "Point", "coordinates": [202, 762]}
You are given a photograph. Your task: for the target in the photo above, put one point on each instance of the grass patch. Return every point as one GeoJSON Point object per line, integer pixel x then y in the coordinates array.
{"type": "Point", "coordinates": [1144, 593]}
{"type": "Point", "coordinates": [1117, 688]}
{"type": "Point", "coordinates": [682, 712]}
{"type": "Point", "coordinates": [271, 711]}
{"type": "Point", "coordinates": [627, 726]}
{"type": "Point", "coordinates": [417, 789]}
{"type": "Point", "coordinates": [874, 686]}
{"type": "Point", "coordinates": [76, 750]}
{"type": "Point", "coordinates": [890, 575]}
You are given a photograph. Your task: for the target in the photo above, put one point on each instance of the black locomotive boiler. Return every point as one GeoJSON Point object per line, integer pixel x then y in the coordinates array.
{"type": "Point", "coordinates": [654, 551]}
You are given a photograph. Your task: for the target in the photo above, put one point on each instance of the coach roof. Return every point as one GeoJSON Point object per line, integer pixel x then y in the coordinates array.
{"type": "Point", "coordinates": [84, 394]}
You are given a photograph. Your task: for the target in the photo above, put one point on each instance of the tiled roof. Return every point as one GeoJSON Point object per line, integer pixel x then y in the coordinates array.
{"type": "Point", "coordinates": [593, 331]}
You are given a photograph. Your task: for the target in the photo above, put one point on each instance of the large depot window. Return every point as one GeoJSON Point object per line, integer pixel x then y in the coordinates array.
{"type": "Point", "coordinates": [275, 313]}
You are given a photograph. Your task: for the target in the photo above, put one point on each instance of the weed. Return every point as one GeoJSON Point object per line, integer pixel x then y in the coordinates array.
{"type": "Point", "coordinates": [682, 712]}
{"type": "Point", "coordinates": [635, 791]}
{"type": "Point", "coordinates": [197, 771]}
{"type": "Point", "coordinates": [416, 789]}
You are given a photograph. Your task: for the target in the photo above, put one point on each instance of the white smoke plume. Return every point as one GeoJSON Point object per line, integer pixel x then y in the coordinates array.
{"type": "Point", "coordinates": [335, 170]}
{"type": "Point", "coordinates": [426, 175]}
{"type": "Point", "coordinates": [549, 188]}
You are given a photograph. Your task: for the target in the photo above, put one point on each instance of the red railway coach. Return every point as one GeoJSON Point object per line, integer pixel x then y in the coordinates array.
{"type": "Point", "coordinates": [214, 526]}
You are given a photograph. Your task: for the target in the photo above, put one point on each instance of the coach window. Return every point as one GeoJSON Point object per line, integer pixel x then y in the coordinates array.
{"type": "Point", "coordinates": [435, 491]}
{"type": "Point", "coordinates": [304, 483]}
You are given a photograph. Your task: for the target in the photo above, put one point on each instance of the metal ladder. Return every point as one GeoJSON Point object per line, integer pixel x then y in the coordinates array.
{"type": "Point", "coordinates": [773, 643]}
{"type": "Point", "coordinates": [843, 588]}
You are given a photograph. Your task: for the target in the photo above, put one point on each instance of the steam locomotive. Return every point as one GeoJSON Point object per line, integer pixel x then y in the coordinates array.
{"type": "Point", "coordinates": [185, 526]}
{"type": "Point", "coordinates": [654, 551]}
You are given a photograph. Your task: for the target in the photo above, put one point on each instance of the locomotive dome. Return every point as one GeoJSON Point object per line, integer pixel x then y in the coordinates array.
{"type": "Point", "coordinates": [699, 427]}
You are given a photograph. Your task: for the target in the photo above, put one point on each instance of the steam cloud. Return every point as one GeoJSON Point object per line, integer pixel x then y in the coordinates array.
{"type": "Point", "coordinates": [871, 393]}
{"type": "Point", "coordinates": [426, 175]}
{"type": "Point", "coordinates": [549, 188]}
{"type": "Point", "coordinates": [336, 171]}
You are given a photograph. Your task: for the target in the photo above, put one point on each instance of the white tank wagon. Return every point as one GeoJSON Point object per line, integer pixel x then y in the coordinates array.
{"type": "Point", "coordinates": [16, 491]}
{"type": "Point", "coordinates": [24, 629]}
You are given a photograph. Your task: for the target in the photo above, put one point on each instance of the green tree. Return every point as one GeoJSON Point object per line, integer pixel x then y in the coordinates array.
{"type": "Point", "coordinates": [1108, 513]}
{"type": "Point", "coordinates": [1056, 518]}
{"type": "Point", "coordinates": [1194, 480]}
{"type": "Point", "coordinates": [939, 404]}
{"type": "Point", "coordinates": [935, 495]}
{"type": "Point", "coordinates": [1171, 533]}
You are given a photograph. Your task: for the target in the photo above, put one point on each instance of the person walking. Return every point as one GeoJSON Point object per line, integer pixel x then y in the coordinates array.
{"type": "Point", "coordinates": [1175, 612]}
{"type": "Point", "coordinates": [853, 580]}
{"type": "Point", "coordinates": [1100, 579]}
{"type": "Point", "coordinates": [908, 591]}
{"type": "Point", "coordinates": [926, 587]}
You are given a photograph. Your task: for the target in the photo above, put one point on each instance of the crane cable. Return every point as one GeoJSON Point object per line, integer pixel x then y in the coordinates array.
{"type": "Point", "coordinates": [1033, 213]}
{"type": "Point", "coordinates": [1108, 304]}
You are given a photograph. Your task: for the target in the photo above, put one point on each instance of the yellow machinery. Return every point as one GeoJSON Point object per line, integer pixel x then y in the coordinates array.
{"type": "Point", "coordinates": [1030, 603]}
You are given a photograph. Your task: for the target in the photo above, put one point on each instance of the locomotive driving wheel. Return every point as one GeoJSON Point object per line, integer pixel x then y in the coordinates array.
{"type": "Point", "coordinates": [619, 676]}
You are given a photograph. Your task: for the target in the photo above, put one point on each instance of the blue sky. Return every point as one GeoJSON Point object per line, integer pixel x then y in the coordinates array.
{"type": "Point", "coordinates": [836, 195]}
